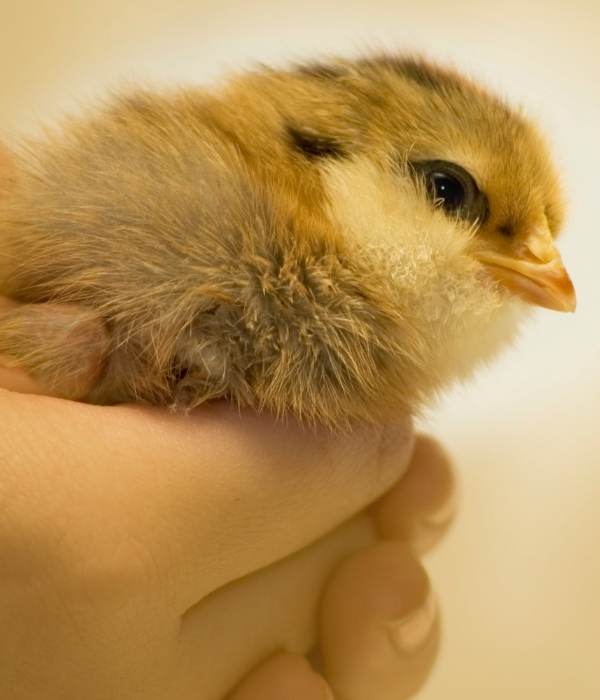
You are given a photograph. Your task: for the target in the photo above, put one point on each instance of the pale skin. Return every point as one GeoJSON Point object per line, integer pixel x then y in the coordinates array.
{"type": "Point", "coordinates": [149, 555]}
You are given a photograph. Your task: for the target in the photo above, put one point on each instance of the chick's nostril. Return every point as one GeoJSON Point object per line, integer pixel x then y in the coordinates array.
{"type": "Point", "coordinates": [506, 230]}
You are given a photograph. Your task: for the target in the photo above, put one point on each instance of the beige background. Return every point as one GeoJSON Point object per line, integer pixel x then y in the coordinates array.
{"type": "Point", "coordinates": [519, 576]}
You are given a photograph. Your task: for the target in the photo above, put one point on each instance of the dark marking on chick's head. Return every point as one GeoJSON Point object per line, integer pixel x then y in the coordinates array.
{"type": "Point", "coordinates": [417, 70]}
{"type": "Point", "coordinates": [314, 145]}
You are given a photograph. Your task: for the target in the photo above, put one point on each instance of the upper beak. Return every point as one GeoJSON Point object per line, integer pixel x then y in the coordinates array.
{"type": "Point", "coordinates": [536, 273]}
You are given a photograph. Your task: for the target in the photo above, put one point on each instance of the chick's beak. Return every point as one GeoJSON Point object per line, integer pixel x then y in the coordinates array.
{"type": "Point", "coordinates": [535, 272]}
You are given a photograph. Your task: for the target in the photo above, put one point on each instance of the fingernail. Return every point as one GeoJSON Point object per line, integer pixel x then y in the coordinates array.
{"type": "Point", "coordinates": [441, 516]}
{"type": "Point", "coordinates": [412, 631]}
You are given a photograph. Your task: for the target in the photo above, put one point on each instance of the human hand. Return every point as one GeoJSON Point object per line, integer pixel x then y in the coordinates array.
{"type": "Point", "coordinates": [158, 556]}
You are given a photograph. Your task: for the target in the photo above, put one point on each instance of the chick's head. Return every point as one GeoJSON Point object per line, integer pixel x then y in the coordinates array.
{"type": "Point", "coordinates": [448, 194]}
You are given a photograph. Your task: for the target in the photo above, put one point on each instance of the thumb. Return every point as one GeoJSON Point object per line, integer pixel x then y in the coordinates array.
{"type": "Point", "coordinates": [271, 489]}
{"type": "Point", "coordinates": [206, 498]}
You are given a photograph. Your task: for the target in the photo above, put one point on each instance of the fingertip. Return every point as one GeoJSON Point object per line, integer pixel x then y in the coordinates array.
{"type": "Point", "coordinates": [283, 677]}
{"type": "Point", "coordinates": [421, 506]}
{"type": "Point", "coordinates": [379, 628]}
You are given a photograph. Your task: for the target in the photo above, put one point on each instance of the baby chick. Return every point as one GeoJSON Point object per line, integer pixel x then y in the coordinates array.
{"type": "Point", "coordinates": [337, 241]}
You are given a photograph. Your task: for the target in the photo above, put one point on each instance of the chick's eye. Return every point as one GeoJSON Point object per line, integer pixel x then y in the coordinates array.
{"type": "Point", "coordinates": [451, 187]}
{"type": "Point", "coordinates": [447, 190]}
